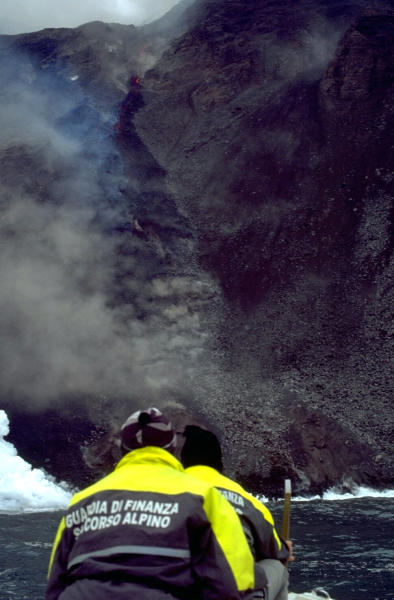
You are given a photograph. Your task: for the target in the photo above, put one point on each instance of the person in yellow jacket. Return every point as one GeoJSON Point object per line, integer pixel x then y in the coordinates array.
{"type": "Point", "coordinates": [202, 458]}
{"type": "Point", "coordinates": [148, 530]}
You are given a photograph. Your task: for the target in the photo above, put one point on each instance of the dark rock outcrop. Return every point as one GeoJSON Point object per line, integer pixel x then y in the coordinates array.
{"type": "Point", "coordinates": [283, 132]}
{"type": "Point", "coordinates": [240, 156]}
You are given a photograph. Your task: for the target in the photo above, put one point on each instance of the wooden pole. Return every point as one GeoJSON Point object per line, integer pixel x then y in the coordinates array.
{"type": "Point", "coordinates": [286, 511]}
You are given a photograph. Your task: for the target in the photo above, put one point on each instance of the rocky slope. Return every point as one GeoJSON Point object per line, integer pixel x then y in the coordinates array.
{"type": "Point", "coordinates": [283, 121]}
{"type": "Point", "coordinates": [239, 159]}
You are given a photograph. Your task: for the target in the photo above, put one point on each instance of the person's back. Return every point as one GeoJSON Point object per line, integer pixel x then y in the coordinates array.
{"type": "Point", "coordinates": [257, 520]}
{"type": "Point", "coordinates": [148, 530]}
{"type": "Point", "coordinates": [201, 457]}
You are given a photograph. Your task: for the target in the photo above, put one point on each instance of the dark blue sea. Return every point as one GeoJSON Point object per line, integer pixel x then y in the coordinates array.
{"type": "Point", "coordinates": [344, 546]}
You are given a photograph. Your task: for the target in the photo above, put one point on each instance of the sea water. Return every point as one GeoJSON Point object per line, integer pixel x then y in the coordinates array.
{"type": "Point", "coordinates": [343, 543]}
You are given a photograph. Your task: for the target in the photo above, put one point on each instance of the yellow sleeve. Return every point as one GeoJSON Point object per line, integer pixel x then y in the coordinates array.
{"type": "Point", "coordinates": [268, 517]}
{"type": "Point", "coordinates": [229, 534]}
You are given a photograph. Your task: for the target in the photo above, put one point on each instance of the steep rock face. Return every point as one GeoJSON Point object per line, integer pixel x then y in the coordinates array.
{"type": "Point", "coordinates": [275, 127]}
{"type": "Point", "coordinates": [214, 231]}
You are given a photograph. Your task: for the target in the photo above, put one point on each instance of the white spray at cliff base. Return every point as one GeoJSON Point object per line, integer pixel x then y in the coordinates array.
{"type": "Point", "coordinates": [23, 488]}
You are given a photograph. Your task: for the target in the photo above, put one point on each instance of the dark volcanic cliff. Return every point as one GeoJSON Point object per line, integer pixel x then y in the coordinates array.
{"type": "Point", "coordinates": [244, 152]}
{"type": "Point", "coordinates": [282, 115]}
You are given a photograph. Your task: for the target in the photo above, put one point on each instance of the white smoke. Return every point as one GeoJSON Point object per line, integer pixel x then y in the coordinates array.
{"type": "Point", "coordinates": [60, 330]}
{"type": "Point", "coordinates": [22, 16]}
{"type": "Point", "coordinates": [59, 334]}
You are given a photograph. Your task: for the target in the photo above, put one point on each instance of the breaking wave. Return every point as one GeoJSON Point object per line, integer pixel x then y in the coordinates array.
{"type": "Point", "coordinates": [336, 494]}
{"type": "Point", "coordinates": [359, 492]}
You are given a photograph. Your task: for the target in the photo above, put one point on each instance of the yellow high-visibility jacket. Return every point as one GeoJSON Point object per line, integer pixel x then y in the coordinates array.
{"type": "Point", "coordinates": [149, 531]}
{"type": "Point", "coordinates": [257, 520]}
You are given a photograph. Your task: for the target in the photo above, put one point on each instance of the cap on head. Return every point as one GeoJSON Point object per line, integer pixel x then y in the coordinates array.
{"type": "Point", "coordinates": [147, 428]}
{"type": "Point", "coordinates": [201, 447]}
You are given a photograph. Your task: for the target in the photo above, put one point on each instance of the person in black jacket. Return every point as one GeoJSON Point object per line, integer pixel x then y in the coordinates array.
{"type": "Point", "coordinates": [148, 530]}
{"type": "Point", "coordinates": [201, 456]}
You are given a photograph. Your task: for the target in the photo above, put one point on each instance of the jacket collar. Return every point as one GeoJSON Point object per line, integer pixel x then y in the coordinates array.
{"type": "Point", "coordinates": [203, 469]}
{"type": "Point", "coordinates": [208, 474]}
{"type": "Point", "coordinates": [150, 455]}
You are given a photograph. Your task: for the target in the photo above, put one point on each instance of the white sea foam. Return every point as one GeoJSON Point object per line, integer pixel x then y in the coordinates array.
{"type": "Point", "coordinates": [23, 488]}
{"type": "Point", "coordinates": [335, 494]}
{"type": "Point", "coordinates": [357, 492]}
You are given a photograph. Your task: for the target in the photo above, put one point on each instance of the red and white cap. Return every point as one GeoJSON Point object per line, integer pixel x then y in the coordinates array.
{"type": "Point", "coordinates": [148, 428]}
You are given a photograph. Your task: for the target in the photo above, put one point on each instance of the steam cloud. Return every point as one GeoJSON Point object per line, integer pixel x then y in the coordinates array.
{"type": "Point", "coordinates": [61, 332]}
{"type": "Point", "coordinates": [21, 16]}
{"type": "Point", "coordinates": [23, 488]}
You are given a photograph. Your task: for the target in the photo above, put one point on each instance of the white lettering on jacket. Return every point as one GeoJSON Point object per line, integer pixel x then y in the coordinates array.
{"type": "Point", "coordinates": [233, 497]}
{"type": "Point", "coordinates": [140, 513]}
